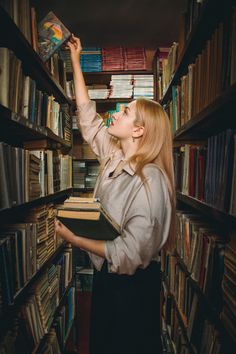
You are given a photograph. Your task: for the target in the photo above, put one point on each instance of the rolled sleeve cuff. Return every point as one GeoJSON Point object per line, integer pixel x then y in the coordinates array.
{"type": "Point", "coordinates": [111, 257]}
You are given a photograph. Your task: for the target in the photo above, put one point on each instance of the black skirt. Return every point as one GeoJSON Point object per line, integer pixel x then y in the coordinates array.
{"type": "Point", "coordinates": [125, 313]}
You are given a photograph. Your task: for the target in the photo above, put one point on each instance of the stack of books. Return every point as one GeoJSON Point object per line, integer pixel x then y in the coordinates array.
{"type": "Point", "coordinates": [91, 59]}
{"type": "Point", "coordinates": [143, 86]}
{"type": "Point", "coordinates": [134, 59]}
{"type": "Point", "coordinates": [121, 86]}
{"type": "Point", "coordinates": [112, 59]}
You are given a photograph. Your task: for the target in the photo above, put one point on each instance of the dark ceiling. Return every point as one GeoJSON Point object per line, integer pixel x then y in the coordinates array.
{"type": "Point", "coordinates": [149, 23]}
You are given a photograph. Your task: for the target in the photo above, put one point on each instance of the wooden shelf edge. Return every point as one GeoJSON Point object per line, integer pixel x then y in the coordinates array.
{"type": "Point", "coordinates": [118, 72]}
{"type": "Point", "coordinates": [206, 209]}
{"type": "Point", "coordinates": [34, 132]}
{"type": "Point", "coordinates": [36, 202]}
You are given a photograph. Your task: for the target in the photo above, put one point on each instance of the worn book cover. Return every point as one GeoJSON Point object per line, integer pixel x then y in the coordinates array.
{"type": "Point", "coordinates": [87, 219]}
{"type": "Point", "coordinates": [52, 34]}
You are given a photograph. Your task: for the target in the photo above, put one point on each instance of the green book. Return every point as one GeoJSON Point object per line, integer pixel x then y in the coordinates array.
{"type": "Point", "coordinates": [86, 217]}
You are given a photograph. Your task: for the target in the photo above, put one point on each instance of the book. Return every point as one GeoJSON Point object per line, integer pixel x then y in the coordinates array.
{"type": "Point", "coordinates": [86, 217]}
{"type": "Point", "coordinates": [52, 34]}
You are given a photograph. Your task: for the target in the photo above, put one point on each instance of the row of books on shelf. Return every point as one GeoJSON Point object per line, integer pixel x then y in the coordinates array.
{"type": "Point", "coordinates": [208, 173]}
{"type": "Point", "coordinates": [201, 276]}
{"type": "Point", "coordinates": [26, 175]}
{"type": "Point", "coordinates": [121, 86]}
{"type": "Point", "coordinates": [94, 59]}
{"type": "Point", "coordinates": [205, 338]}
{"type": "Point", "coordinates": [201, 248]}
{"type": "Point", "coordinates": [20, 94]}
{"type": "Point", "coordinates": [25, 246]}
{"type": "Point", "coordinates": [215, 66]}
{"type": "Point", "coordinates": [25, 18]}
{"type": "Point", "coordinates": [85, 174]}
{"type": "Point", "coordinates": [228, 314]}
{"type": "Point", "coordinates": [36, 319]}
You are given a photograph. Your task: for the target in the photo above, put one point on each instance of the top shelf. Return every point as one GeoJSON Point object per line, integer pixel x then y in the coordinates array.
{"type": "Point", "coordinates": [212, 11]}
{"type": "Point", "coordinates": [14, 39]}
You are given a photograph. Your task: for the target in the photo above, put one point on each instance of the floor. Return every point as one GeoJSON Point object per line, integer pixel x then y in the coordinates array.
{"type": "Point", "coordinates": [84, 303]}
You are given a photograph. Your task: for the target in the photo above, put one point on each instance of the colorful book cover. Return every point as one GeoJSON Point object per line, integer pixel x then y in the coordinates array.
{"type": "Point", "coordinates": [52, 34]}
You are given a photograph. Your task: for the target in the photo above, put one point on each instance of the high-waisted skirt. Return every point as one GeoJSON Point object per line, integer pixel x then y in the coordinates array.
{"type": "Point", "coordinates": [125, 312]}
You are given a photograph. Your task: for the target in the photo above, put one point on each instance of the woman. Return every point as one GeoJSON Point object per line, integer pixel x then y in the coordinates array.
{"type": "Point", "coordinates": [136, 187]}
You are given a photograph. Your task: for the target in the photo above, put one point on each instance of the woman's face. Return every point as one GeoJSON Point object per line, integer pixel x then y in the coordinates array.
{"type": "Point", "coordinates": [122, 125]}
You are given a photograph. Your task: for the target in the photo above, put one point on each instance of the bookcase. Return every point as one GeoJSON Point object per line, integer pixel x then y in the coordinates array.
{"type": "Point", "coordinates": [37, 283]}
{"type": "Point", "coordinates": [197, 293]}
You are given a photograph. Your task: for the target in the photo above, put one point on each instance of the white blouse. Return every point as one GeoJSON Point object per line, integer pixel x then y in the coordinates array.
{"type": "Point", "coordinates": [143, 210]}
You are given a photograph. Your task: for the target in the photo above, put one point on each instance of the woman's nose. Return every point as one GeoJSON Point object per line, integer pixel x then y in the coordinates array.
{"type": "Point", "coordinates": [115, 115]}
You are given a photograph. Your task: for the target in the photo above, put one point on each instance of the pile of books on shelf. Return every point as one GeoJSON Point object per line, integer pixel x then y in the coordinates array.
{"type": "Point", "coordinates": [134, 59]}
{"type": "Point", "coordinates": [98, 91]}
{"type": "Point", "coordinates": [112, 59]}
{"type": "Point", "coordinates": [143, 86]}
{"type": "Point", "coordinates": [91, 59]}
{"type": "Point", "coordinates": [121, 86]}
{"type": "Point", "coordinates": [118, 59]}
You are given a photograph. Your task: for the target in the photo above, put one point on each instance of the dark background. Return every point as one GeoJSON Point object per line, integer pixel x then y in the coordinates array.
{"type": "Point", "coordinates": [149, 23]}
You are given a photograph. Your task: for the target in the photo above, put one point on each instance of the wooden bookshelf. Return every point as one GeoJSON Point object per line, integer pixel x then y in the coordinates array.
{"type": "Point", "coordinates": [12, 309]}
{"type": "Point", "coordinates": [6, 214]}
{"type": "Point", "coordinates": [32, 63]}
{"type": "Point", "coordinates": [17, 129]}
{"type": "Point", "coordinates": [212, 11]}
{"type": "Point", "coordinates": [61, 302]}
{"type": "Point", "coordinates": [181, 318]}
{"type": "Point", "coordinates": [210, 121]}
{"type": "Point", "coordinates": [207, 210]}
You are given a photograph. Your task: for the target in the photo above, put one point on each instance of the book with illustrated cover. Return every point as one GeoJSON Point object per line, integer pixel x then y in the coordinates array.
{"type": "Point", "coordinates": [86, 217]}
{"type": "Point", "coordinates": [52, 34]}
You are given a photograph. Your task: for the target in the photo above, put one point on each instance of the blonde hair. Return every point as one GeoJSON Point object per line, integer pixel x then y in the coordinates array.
{"type": "Point", "coordinates": [155, 146]}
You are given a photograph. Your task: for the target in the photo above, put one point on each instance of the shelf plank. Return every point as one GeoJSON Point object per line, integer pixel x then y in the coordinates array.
{"type": "Point", "coordinates": [83, 189]}
{"type": "Point", "coordinates": [31, 61]}
{"type": "Point", "coordinates": [17, 129]}
{"type": "Point", "coordinates": [212, 11]}
{"type": "Point", "coordinates": [214, 214]}
{"type": "Point", "coordinates": [103, 73]}
{"type": "Point", "coordinates": [22, 208]}
{"type": "Point", "coordinates": [211, 120]}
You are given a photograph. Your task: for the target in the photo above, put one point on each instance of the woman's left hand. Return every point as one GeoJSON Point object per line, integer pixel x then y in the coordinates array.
{"type": "Point", "coordinates": [63, 231]}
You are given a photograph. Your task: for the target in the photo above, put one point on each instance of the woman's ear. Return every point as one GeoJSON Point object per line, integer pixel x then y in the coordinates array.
{"type": "Point", "coordinates": [138, 132]}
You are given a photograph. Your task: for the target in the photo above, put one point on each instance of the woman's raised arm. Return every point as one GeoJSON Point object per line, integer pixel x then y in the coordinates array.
{"type": "Point", "coordinates": [81, 92]}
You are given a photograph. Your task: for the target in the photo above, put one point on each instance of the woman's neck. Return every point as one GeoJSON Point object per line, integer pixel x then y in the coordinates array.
{"type": "Point", "coordinates": [129, 148]}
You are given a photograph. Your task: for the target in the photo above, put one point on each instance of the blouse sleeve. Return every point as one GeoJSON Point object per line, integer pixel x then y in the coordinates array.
{"type": "Point", "coordinates": [94, 131]}
{"type": "Point", "coordinates": [145, 229]}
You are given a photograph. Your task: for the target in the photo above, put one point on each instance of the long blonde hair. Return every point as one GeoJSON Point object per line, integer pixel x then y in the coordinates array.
{"type": "Point", "coordinates": [155, 146]}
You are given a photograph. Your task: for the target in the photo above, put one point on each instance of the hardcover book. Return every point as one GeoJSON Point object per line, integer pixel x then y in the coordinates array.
{"type": "Point", "coordinates": [86, 217]}
{"type": "Point", "coordinates": [52, 34]}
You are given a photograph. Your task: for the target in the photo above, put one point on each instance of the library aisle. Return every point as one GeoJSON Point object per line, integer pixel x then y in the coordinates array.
{"type": "Point", "coordinates": [181, 54]}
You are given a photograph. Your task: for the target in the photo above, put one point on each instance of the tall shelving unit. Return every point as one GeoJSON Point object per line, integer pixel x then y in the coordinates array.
{"type": "Point", "coordinates": [214, 118]}
{"type": "Point", "coordinates": [16, 130]}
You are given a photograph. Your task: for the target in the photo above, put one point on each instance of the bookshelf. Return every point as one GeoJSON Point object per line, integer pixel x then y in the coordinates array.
{"type": "Point", "coordinates": [18, 133]}
{"type": "Point", "coordinates": [210, 13]}
{"type": "Point", "coordinates": [212, 223]}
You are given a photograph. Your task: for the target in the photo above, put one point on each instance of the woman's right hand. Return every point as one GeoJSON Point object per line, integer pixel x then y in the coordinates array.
{"type": "Point", "coordinates": [75, 47]}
